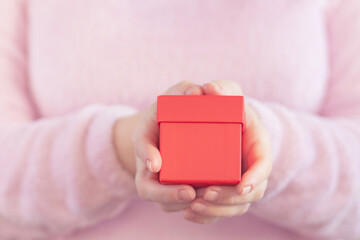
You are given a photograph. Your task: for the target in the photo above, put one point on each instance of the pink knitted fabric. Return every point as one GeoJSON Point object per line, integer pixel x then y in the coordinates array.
{"type": "Point", "coordinates": [70, 69]}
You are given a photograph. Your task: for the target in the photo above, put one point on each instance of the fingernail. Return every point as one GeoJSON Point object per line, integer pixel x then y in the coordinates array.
{"type": "Point", "coordinates": [246, 190]}
{"type": "Point", "coordinates": [189, 90]}
{"type": "Point", "coordinates": [185, 195]}
{"type": "Point", "coordinates": [211, 196]}
{"type": "Point", "coordinates": [198, 207]}
{"type": "Point", "coordinates": [217, 87]}
{"type": "Point", "coordinates": [148, 165]}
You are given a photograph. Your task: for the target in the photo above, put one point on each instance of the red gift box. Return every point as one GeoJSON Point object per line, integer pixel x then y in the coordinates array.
{"type": "Point", "coordinates": [200, 139]}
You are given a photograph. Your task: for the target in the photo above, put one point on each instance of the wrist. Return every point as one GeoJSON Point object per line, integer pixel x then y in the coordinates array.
{"type": "Point", "coordinates": [123, 131]}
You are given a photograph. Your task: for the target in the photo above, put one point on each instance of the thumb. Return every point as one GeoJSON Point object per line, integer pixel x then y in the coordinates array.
{"type": "Point", "coordinates": [146, 139]}
{"type": "Point", "coordinates": [222, 87]}
{"type": "Point", "coordinates": [184, 88]}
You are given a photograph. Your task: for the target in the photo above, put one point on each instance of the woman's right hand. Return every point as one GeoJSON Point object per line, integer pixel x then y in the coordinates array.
{"type": "Point", "coordinates": [148, 160]}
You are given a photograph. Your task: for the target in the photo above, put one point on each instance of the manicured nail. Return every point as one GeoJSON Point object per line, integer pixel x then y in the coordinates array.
{"type": "Point", "coordinates": [198, 207]}
{"type": "Point", "coordinates": [211, 196]}
{"type": "Point", "coordinates": [246, 190]}
{"type": "Point", "coordinates": [189, 90]}
{"type": "Point", "coordinates": [185, 195]}
{"type": "Point", "coordinates": [217, 87]}
{"type": "Point", "coordinates": [148, 165]}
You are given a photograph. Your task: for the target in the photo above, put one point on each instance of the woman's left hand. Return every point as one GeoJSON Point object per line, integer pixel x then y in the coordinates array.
{"type": "Point", "coordinates": [217, 202]}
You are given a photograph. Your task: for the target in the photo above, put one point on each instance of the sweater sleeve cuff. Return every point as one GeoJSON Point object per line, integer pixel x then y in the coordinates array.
{"type": "Point", "coordinates": [101, 153]}
{"type": "Point", "coordinates": [273, 124]}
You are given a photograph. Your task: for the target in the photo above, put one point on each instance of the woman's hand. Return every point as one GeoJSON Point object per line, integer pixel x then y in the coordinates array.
{"type": "Point", "coordinates": [148, 159]}
{"type": "Point", "coordinates": [216, 202]}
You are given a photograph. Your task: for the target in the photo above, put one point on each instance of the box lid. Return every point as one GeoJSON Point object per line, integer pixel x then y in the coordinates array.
{"type": "Point", "coordinates": [200, 108]}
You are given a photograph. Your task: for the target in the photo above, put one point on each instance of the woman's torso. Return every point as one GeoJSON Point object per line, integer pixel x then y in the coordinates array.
{"type": "Point", "coordinates": [129, 51]}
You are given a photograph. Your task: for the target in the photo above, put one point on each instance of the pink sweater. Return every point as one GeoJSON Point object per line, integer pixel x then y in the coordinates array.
{"type": "Point", "coordinates": [70, 69]}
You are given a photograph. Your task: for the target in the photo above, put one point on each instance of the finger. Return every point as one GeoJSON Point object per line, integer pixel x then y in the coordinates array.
{"type": "Point", "coordinates": [175, 207]}
{"type": "Point", "coordinates": [149, 188]}
{"type": "Point", "coordinates": [208, 209]}
{"type": "Point", "coordinates": [146, 148]}
{"type": "Point", "coordinates": [222, 87]}
{"type": "Point", "coordinates": [194, 90]}
{"type": "Point", "coordinates": [256, 152]}
{"type": "Point", "coordinates": [229, 196]}
{"type": "Point", "coordinates": [184, 87]}
{"type": "Point", "coordinates": [181, 88]}
{"type": "Point", "coordinates": [254, 176]}
{"type": "Point", "coordinates": [198, 218]}
{"type": "Point", "coordinates": [146, 138]}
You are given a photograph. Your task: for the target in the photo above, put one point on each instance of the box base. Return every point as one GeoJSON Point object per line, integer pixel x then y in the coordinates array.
{"type": "Point", "coordinates": [200, 154]}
